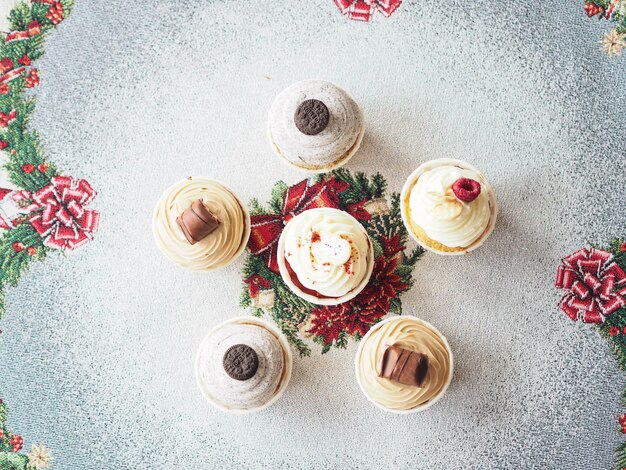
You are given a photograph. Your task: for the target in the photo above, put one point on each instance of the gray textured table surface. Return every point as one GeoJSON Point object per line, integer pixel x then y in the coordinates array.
{"type": "Point", "coordinates": [98, 345]}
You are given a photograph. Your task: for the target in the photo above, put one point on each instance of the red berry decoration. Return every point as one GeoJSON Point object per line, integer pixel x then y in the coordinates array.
{"type": "Point", "coordinates": [613, 330]}
{"type": "Point", "coordinates": [4, 89]}
{"type": "Point", "coordinates": [28, 168]}
{"type": "Point", "coordinates": [6, 64]}
{"type": "Point", "coordinates": [32, 251]}
{"type": "Point", "coordinates": [466, 189]}
{"type": "Point", "coordinates": [55, 13]}
{"type": "Point", "coordinates": [42, 167]}
{"type": "Point", "coordinates": [24, 60]}
{"type": "Point", "coordinates": [622, 247]}
{"type": "Point", "coordinates": [1, 434]}
{"type": "Point", "coordinates": [17, 442]}
{"type": "Point", "coordinates": [3, 144]}
{"type": "Point", "coordinates": [18, 246]}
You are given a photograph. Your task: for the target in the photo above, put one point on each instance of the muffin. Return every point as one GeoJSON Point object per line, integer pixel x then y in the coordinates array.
{"type": "Point", "coordinates": [448, 206]}
{"type": "Point", "coordinates": [243, 365]}
{"type": "Point", "coordinates": [403, 364]}
{"type": "Point", "coordinates": [200, 224]}
{"type": "Point", "coordinates": [325, 256]}
{"type": "Point", "coordinates": [315, 126]}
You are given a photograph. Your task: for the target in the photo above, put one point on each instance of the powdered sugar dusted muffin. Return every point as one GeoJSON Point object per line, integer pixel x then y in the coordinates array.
{"type": "Point", "coordinates": [200, 224]}
{"type": "Point", "coordinates": [243, 364]}
{"type": "Point", "coordinates": [316, 126]}
{"type": "Point", "coordinates": [325, 256]}
{"type": "Point", "coordinates": [448, 206]}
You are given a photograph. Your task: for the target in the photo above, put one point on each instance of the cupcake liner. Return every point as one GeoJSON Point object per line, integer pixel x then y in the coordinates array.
{"type": "Point", "coordinates": [244, 210]}
{"type": "Point", "coordinates": [311, 298]}
{"type": "Point", "coordinates": [430, 402]}
{"type": "Point", "coordinates": [288, 367]}
{"type": "Point", "coordinates": [408, 185]}
{"type": "Point", "coordinates": [340, 161]}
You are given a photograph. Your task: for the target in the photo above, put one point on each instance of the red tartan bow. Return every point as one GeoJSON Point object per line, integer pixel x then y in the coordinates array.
{"type": "Point", "coordinates": [266, 228]}
{"type": "Point", "coordinates": [362, 10]}
{"type": "Point", "coordinates": [64, 221]}
{"type": "Point", "coordinates": [593, 280]}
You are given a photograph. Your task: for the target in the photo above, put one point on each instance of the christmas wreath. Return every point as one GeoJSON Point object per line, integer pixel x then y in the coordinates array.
{"type": "Point", "coordinates": [330, 326]}
{"type": "Point", "coordinates": [40, 210]}
{"type": "Point", "coordinates": [594, 281]}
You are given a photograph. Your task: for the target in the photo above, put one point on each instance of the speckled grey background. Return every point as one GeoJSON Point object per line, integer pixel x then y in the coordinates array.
{"type": "Point", "coordinates": [98, 345]}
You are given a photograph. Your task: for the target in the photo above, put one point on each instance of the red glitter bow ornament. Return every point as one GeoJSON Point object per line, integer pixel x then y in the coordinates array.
{"type": "Point", "coordinates": [362, 10]}
{"type": "Point", "coordinates": [64, 221]}
{"type": "Point", "coordinates": [266, 228]}
{"type": "Point", "coordinates": [596, 285]}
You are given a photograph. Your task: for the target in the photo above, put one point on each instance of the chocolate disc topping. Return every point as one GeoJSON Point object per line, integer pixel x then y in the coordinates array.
{"type": "Point", "coordinates": [404, 366]}
{"type": "Point", "coordinates": [311, 117]}
{"type": "Point", "coordinates": [197, 222]}
{"type": "Point", "coordinates": [240, 362]}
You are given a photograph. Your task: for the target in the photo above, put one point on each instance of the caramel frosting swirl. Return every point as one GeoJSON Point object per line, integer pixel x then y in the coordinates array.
{"type": "Point", "coordinates": [270, 378]}
{"type": "Point", "coordinates": [327, 250]}
{"type": "Point", "coordinates": [217, 249]}
{"type": "Point", "coordinates": [412, 334]}
{"type": "Point", "coordinates": [443, 217]}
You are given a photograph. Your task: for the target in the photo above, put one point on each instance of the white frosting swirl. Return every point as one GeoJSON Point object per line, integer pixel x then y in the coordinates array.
{"type": "Point", "coordinates": [221, 246]}
{"type": "Point", "coordinates": [335, 144]}
{"type": "Point", "coordinates": [445, 218]}
{"type": "Point", "coordinates": [412, 334]}
{"type": "Point", "coordinates": [328, 251]}
{"type": "Point", "coordinates": [238, 395]}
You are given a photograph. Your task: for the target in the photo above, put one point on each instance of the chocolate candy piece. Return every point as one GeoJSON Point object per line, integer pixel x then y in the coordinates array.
{"type": "Point", "coordinates": [197, 222]}
{"type": "Point", "coordinates": [240, 362]}
{"type": "Point", "coordinates": [404, 366]}
{"type": "Point", "coordinates": [311, 117]}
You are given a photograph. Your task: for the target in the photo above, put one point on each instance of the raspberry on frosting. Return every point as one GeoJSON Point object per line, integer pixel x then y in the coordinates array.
{"type": "Point", "coordinates": [466, 189]}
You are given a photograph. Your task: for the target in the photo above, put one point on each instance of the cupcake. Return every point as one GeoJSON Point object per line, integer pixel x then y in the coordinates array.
{"type": "Point", "coordinates": [448, 206]}
{"type": "Point", "coordinates": [403, 364]}
{"type": "Point", "coordinates": [243, 364]}
{"type": "Point", "coordinates": [200, 224]}
{"type": "Point", "coordinates": [315, 126]}
{"type": "Point", "coordinates": [325, 256]}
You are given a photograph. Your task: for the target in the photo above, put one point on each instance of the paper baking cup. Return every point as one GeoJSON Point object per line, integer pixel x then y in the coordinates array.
{"type": "Point", "coordinates": [404, 196]}
{"type": "Point", "coordinates": [288, 363]}
{"type": "Point", "coordinates": [311, 298]}
{"type": "Point", "coordinates": [423, 406]}
{"type": "Point", "coordinates": [246, 217]}
{"type": "Point", "coordinates": [337, 163]}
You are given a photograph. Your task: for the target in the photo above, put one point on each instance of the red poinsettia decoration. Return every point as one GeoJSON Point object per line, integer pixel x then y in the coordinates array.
{"type": "Point", "coordinates": [266, 228]}
{"type": "Point", "coordinates": [359, 314]}
{"type": "Point", "coordinates": [255, 283]}
{"type": "Point", "coordinates": [65, 222]}
{"type": "Point", "coordinates": [596, 285]}
{"type": "Point", "coordinates": [357, 210]}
